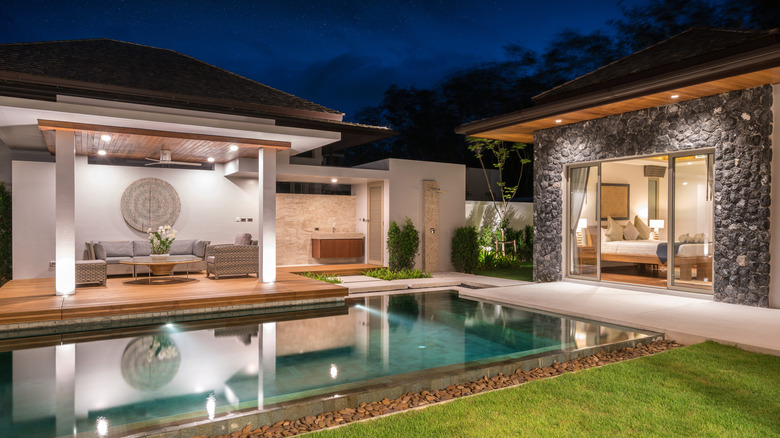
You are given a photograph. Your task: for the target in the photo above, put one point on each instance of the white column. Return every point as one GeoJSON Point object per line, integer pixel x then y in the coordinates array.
{"type": "Point", "coordinates": [267, 214]}
{"type": "Point", "coordinates": [65, 213]}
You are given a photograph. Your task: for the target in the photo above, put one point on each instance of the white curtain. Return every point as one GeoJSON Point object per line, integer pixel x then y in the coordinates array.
{"type": "Point", "coordinates": [578, 184]}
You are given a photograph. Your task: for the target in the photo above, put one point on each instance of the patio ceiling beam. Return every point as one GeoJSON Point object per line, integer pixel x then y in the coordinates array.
{"type": "Point", "coordinates": [241, 142]}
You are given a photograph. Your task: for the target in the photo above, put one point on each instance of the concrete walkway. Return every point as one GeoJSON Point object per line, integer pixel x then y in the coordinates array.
{"type": "Point", "coordinates": [687, 320]}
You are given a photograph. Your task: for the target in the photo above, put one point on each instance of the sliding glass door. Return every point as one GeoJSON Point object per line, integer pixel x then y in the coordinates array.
{"type": "Point", "coordinates": [583, 225]}
{"type": "Point", "coordinates": [692, 222]}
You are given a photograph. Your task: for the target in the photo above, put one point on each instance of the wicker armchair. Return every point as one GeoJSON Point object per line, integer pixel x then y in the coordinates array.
{"type": "Point", "coordinates": [224, 260]}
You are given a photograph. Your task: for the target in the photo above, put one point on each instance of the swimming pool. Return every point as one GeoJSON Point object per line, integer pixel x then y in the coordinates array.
{"type": "Point", "coordinates": [115, 382]}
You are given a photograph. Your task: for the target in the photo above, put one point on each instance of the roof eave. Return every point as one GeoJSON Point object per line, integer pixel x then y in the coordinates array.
{"type": "Point", "coordinates": [755, 60]}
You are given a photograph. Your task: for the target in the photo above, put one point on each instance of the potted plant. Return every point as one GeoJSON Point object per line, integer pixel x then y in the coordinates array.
{"type": "Point", "coordinates": [161, 241]}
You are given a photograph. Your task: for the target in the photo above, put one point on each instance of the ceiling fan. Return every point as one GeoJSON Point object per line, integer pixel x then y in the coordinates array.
{"type": "Point", "coordinates": [165, 158]}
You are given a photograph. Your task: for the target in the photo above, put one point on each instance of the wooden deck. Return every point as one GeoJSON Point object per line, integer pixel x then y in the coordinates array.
{"type": "Point", "coordinates": [24, 301]}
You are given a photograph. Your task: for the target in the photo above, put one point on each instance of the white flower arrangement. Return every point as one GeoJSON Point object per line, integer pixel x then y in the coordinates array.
{"type": "Point", "coordinates": [161, 239]}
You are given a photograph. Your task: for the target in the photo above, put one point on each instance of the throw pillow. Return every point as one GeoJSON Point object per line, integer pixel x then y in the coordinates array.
{"type": "Point", "coordinates": [630, 232]}
{"type": "Point", "coordinates": [642, 228]}
{"type": "Point", "coordinates": [614, 230]}
{"type": "Point", "coordinates": [699, 237]}
{"type": "Point", "coordinates": [243, 239]}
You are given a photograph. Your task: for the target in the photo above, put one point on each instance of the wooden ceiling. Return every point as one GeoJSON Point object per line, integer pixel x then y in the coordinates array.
{"type": "Point", "coordinates": [524, 132]}
{"type": "Point", "coordinates": [138, 144]}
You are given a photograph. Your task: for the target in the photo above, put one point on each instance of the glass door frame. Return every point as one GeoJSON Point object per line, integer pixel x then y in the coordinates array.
{"type": "Point", "coordinates": [567, 256]}
{"type": "Point", "coordinates": [567, 268]}
{"type": "Point", "coordinates": [670, 214]}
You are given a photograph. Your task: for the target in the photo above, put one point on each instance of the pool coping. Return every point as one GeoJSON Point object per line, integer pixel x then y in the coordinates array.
{"type": "Point", "coordinates": [418, 381]}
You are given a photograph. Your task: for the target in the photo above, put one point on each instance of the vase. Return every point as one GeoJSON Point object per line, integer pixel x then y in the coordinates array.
{"type": "Point", "coordinates": [159, 257]}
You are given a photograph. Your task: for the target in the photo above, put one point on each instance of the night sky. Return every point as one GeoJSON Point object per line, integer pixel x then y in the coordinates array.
{"type": "Point", "coordinates": [342, 53]}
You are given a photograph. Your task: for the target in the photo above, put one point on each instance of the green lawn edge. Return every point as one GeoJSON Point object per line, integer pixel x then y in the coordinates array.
{"type": "Point", "coordinates": [701, 390]}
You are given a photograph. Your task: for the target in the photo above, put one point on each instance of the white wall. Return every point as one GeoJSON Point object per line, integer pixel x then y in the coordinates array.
{"type": "Point", "coordinates": [209, 205]}
{"type": "Point", "coordinates": [478, 213]}
{"type": "Point", "coordinates": [406, 199]}
{"type": "Point", "coordinates": [33, 219]}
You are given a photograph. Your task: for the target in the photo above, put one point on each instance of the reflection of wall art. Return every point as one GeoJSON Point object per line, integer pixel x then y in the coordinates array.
{"type": "Point", "coordinates": [150, 362]}
{"type": "Point", "coordinates": [149, 203]}
{"type": "Point", "coordinates": [615, 201]}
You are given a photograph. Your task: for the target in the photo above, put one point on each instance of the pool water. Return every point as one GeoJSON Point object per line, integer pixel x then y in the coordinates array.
{"type": "Point", "coordinates": [115, 382]}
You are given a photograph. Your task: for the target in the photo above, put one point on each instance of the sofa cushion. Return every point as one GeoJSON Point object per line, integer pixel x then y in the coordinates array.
{"type": "Point", "coordinates": [182, 247]}
{"type": "Point", "coordinates": [142, 248]}
{"type": "Point", "coordinates": [243, 239]}
{"type": "Point", "coordinates": [104, 249]}
{"type": "Point", "coordinates": [115, 260]}
{"type": "Point", "coordinates": [199, 248]}
{"type": "Point", "coordinates": [210, 259]}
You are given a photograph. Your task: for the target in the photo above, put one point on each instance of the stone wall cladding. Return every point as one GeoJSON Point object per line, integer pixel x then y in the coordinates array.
{"type": "Point", "coordinates": [737, 124]}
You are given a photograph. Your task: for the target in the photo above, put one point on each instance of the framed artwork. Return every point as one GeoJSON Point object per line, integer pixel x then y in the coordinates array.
{"type": "Point", "coordinates": [615, 199]}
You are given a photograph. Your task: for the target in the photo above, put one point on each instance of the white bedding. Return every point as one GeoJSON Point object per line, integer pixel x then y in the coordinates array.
{"type": "Point", "coordinates": [650, 248]}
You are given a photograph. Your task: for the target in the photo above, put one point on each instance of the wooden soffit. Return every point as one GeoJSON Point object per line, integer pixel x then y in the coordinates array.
{"type": "Point", "coordinates": [524, 130]}
{"type": "Point", "coordinates": [138, 143]}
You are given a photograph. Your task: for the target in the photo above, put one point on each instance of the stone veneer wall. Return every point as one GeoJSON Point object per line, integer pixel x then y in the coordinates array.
{"type": "Point", "coordinates": [298, 215]}
{"type": "Point", "coordinates": [737, 124]}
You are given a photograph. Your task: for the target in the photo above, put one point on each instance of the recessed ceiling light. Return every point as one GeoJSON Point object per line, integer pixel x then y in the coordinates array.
{"type": "Point", "coordinates": [558, 121]}
{"type": "Point", "coordinates": [101, 152]}
{"type": "Point", "coordinates": [105, 137]}
{"type": "Point", "coordinates": [675, 96]}
{"type": "Point", "coordinates": [334, 180]}
{"type": "Point", "coordinates": [210, 159]}
{"type": "Point", "coordinates": [233, 147]}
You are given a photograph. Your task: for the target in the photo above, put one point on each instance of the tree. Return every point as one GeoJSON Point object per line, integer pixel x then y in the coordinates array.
{"type": "Point", "coordinates": [499, 152]}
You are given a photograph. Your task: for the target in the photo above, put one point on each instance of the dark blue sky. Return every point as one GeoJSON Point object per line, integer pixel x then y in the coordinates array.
{"type": "Point", "coordinates": [341, 54]}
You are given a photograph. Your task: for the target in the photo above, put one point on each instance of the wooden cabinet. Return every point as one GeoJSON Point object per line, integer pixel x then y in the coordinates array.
{"type": "Point", "coordinates": [336, 248]}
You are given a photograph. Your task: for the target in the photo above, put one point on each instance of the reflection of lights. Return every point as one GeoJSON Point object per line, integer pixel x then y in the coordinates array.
{"type": "Point", "coordinates": [580, 336]}
{"type": "Point", "coordinates": [334, 372]}
{"type": "Point", "coordinates": [252, 368]}
{"type": "Point", "coordinates": [102, 426]}
{"type": "Point", "coordinates": [198, 389]}
{"type": "Point", "coordinates": [421, 346]}
{"type": "Point", "coordinates": [169, 325]}
{"type": "Point", "coordinates": [211, 406]}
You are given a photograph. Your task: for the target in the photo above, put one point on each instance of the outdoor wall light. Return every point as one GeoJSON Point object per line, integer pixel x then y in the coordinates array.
{"type": "Point", "coordinates": [101, 152]}
{"type": "Point", "coordinates": [105, 137]}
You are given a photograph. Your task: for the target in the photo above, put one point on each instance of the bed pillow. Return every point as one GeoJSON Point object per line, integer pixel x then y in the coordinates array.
{"type": "Point", "coordinates": [630, 232]}
{"type": "Point", "coordinates": [642, 228]}
{"type": "Point", "coordinates": [614, 230]}
{"type": "Point", "coordinates": [699, 237]}
{"type": "Point", "coordinates": [685, 238]}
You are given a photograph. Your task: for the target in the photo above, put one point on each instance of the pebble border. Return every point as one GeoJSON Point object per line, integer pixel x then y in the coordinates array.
{"type": "Point", "coordinates": [411, 400]}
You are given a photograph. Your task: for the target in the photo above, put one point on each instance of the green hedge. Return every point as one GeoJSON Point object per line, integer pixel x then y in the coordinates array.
{"type": "Point", "coordinates": [465, 249]}
{"type": "Point", "coordinates": [6, 270]}
{"type": "Point", "coordinates": [402, 245]}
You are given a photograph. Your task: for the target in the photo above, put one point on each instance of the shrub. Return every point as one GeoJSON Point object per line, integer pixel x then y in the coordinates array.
{"type": "Point", "coordinates": [402, 274]}
{"type": "Point", "coordinates": [465, 249]}
{"type": "Point", "coordinates": [402, 245]}
{"type": "Point", "coordinates": [5, 235]}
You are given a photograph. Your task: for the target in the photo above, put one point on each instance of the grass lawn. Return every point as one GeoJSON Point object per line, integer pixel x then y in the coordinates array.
{"type": "Point", "coordinates": [524, 273]}
{"type": "Point", "coordinates": [703, 390]}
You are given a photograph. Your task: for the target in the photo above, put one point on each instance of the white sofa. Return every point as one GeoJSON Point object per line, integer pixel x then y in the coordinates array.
{"type": "Point", "coordinates": [114, 251]}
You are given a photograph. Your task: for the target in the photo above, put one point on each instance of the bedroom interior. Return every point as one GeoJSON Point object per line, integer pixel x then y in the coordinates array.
{"type": "Point", "coordinates": [623, 214]}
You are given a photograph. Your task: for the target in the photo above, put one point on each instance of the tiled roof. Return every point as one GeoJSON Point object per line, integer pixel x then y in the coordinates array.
{"type": "Point", "coordinates": [693, 45]}
{"type": "Point", "coordinates": [117, 63]}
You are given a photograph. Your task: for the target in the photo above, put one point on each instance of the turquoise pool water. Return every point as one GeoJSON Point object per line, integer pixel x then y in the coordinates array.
{"type": "Point", "coordinates": [120, 381]}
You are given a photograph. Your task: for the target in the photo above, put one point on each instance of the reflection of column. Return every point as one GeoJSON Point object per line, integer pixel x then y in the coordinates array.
{"type": "Point", "coordinates": [266, 370]}
{"type": "Point", "coordinates": [65, 383]}
{"type": "Point", "coordinates": [361, 329]}
{"type": "Point", "coordinates": [385, 334]}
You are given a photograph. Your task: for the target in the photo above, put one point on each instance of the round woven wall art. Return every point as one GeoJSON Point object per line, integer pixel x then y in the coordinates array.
{"type": "Point", "coordinates": [149, 203]}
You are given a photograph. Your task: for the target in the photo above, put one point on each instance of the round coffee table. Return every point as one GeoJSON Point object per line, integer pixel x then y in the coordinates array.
{"type": "Point", "coordinates": [161, 269]}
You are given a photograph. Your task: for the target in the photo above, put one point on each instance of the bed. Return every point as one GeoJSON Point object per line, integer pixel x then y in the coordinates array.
{"type": "Point", "coordinates": [653, 252]}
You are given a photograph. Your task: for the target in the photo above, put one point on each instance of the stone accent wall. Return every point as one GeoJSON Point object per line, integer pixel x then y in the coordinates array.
{"type": "Point", "coordinates": [737, 124]}
{"type": "Point", "coordinates": [430, 241]}
{"type": "Point", "coordinates": [298, 215]}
